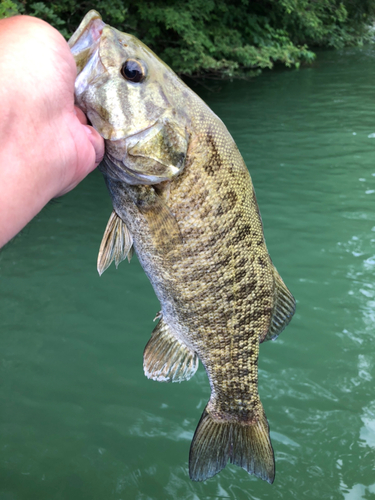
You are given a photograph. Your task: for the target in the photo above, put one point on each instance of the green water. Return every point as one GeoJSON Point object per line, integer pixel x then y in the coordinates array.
{"type": "Point", "coordinates": [78, 418]}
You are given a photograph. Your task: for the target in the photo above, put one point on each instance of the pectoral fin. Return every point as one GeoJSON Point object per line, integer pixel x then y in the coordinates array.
{"type": "Point", "coordinates": [166, 358]}
{"type": "Point", "coordinates": [284, 308]}
{"type": "Point", "coordinates": [117, 244]}
{"type": "Point", "coordinates": [162, 224]}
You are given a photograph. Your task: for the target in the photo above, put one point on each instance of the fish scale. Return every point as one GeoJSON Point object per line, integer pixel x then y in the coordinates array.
{"type": "Point", "coordinates": [184, 200]}
{"type": "Point", "coordinates": [230, 381]}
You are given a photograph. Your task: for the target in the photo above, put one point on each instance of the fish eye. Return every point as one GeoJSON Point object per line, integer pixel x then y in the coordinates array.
{"type": "Point", "coordinates": [133, 71]}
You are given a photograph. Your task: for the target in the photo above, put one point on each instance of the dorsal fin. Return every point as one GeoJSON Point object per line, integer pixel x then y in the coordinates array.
{"type": "Point", "coordinates": [283, 310]}
{"type": "Point", "coordinates": [116, 244]}
{"type": "Point", "coordinates": [166, 358]}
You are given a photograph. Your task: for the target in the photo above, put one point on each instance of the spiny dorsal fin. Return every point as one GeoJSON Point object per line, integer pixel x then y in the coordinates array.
{"type": "Point", "coordinates": [284, 308]}
{"type": "Point", "coordinates": [246, 445]}
{"type": "Point", "coordinates": [166, 358]}
{"type": "Point", "coordinates": [116, 244]}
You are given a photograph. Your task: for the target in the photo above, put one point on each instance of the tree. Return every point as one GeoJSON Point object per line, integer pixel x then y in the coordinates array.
{"type": "Point", "coordinates": [217, 37]}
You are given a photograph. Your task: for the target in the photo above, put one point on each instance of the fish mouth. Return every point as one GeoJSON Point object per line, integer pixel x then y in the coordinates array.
{"type": "Point", "coordinates": [84, 46]}
{"type": "Point", "coordinates": [85, 40]}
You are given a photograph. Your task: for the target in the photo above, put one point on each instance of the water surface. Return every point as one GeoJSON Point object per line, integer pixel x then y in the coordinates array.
{"type": "Point", "coordinates": [78, 418]}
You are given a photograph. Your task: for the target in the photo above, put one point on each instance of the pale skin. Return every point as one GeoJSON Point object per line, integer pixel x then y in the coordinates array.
{"type": "Point", "coordinates": [46, 146]}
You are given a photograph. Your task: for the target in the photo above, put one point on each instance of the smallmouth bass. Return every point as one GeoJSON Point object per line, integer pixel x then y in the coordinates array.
{"type": "Point", "coordinates": [184, 201]}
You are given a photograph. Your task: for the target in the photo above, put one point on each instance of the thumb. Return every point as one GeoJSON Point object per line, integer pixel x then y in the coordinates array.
{"type": "Point", "coordinates": [97, 141]}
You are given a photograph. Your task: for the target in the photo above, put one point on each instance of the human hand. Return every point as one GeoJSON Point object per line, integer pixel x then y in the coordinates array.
{"type": "Point", "coordinates": [46, 148]}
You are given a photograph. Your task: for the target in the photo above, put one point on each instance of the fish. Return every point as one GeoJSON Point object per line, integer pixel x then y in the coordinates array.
{"type": "Point", "coordinates": [184, 202]}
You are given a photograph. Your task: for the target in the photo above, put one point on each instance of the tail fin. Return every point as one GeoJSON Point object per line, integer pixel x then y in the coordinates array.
{"type": "Point", "coordinates": [246, 445]}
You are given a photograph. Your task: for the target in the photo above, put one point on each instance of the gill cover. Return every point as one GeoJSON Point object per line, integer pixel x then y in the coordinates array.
{"type": "Point", "coordinates": [154, 155]}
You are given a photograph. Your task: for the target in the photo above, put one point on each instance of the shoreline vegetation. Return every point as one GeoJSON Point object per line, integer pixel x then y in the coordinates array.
{"type": "Point", "coordinates": [220, 39]}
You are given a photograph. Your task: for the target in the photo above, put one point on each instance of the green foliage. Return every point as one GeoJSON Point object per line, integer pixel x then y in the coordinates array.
{"type": "Point", "coordinates": [65, 15]}
{"type": "Point", "coordinates": [220, 37]}
{"type": "Point", "coordinates": [215, 37]}
{"type": "Point", "coordinates": [7, 9]}
{"type": "Point", "coordinates": [330, 23]}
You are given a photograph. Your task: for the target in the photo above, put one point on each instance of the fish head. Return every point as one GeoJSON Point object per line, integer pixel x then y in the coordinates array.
{"type": "Point", "coordinates": [133, 99]}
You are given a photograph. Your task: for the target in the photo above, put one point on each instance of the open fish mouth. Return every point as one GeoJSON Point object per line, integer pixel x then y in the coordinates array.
{"type": "Point", "coordinates": [84, 45]}
{"type": "Point", "coordinates": [85, 40]}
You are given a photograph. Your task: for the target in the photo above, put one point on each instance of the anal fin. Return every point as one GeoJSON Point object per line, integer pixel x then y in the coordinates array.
{"type": "Point", "coordinates": [284, 308]}
{"type": "Point", "coordinates": [116, 244]}
{"type": "Point", "coordinates": [166, 358]}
